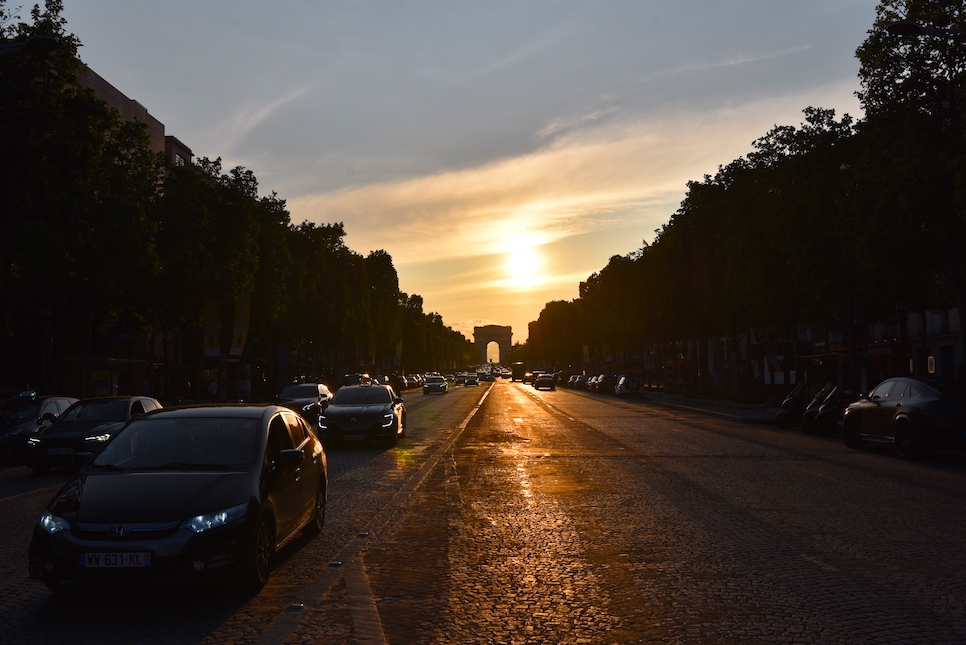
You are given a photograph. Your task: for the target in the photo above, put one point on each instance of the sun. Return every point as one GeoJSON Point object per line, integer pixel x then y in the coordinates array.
{"type": "Point", "coordinates": [523, 267]}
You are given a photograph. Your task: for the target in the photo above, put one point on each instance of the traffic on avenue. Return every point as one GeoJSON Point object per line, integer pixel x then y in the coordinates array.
{"type": "Point", "coordinates": [509, 514]}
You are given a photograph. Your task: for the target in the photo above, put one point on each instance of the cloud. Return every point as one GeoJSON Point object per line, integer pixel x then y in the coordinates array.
{"type": "Point", "coordinates": [603, 176]}
{"type": "Point", "coordinates": [243, 122]}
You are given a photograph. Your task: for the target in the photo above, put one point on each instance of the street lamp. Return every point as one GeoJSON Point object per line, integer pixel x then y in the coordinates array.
{"type": "Point", "coordinates": [912, 28]}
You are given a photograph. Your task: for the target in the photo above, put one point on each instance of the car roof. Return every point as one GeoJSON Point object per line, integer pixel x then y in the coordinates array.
{"type": "Point", "coordinates": [222, 410]}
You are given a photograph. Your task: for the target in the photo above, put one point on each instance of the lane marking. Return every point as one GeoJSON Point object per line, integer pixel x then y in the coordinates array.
{"type": "Point", "coordinates": [287, 622]}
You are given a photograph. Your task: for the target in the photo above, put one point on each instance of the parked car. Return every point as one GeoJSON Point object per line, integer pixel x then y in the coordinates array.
{"type": "Point", "coordinates": [308, 399]}
{"type": "Point", "coordinates": [22, 416]}
{"type": "Point", "coordinates": [605, 384]}
{"type": "Point", "coordinates": [544, 381]}
{"type": "Point", "coordinates": [828, 419]}
{"type": "Point", "coordinates": [86, 426]}
{"type": "Point", "coordinates": [628, 385]}
{"type": "Point", "coordinates": [435, 385]}
{"type": "Point", "coordinates": [360, 413]}
{"type": "Point", "coordinates": [913, 416]}
{"type": "Point", "coordinates": [185, 494]}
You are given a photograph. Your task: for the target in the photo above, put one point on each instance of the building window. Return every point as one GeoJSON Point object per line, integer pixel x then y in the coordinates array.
{"type": "Point", "coordinates": [178, 159]}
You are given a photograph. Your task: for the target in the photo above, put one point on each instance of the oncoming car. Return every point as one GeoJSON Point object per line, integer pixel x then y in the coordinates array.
{"type": "Point", "coordinates": [435, 384]}
{"type": "Point", "coordinates": [185, 494]}
{"type": "Point", "coordinates": [360, 413]}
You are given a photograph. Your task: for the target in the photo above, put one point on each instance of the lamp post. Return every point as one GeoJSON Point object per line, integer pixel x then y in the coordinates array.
{"type": "Point", "coordinates": [35, 43]}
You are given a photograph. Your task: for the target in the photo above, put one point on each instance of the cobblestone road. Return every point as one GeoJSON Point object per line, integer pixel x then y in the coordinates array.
{"type": "Point", "coordinates": [561, 517]}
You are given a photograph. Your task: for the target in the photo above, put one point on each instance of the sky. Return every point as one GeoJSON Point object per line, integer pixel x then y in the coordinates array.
{"type": "Point", "coordinates": [501, 151]}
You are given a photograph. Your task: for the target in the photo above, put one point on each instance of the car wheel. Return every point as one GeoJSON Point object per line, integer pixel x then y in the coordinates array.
{"type": "Point", "coordinates": [851, 436]}
{"type": "Point", "coordinates": [908, 443]}
{"type": "Point", "coordinates": [315, 527]}
{"type": "Point", "coordinates": [823, 427]}
{"type": "Point", "coordinates": [784, 419]}
{"type": "Point", "coordinates": [262, 554]}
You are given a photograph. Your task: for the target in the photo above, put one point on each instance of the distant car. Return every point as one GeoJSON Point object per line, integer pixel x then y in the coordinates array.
{"type": "Point", "coordinates": [628, 385]}
{"type": "Point", "coordinates": [22, 416]}
{"type": "Point", "coordinates": [185, 494]}
{"type": "Point", "coordinates": [471, 379]}
{"type": "Point", "coordinates": [544, 381]}
{"type": "Point", "coordinates": [84, 427]}
{"type": "Point", "coordinates": [355, 379]}
{"type": "Point", "coordinates": [913, 416]}
{"type": "Point", "coordinates": [360, 413]}
{"type": "Point", "coordinates": [308, 399]}
{"type": "Point", "coordinates": [435, 385]}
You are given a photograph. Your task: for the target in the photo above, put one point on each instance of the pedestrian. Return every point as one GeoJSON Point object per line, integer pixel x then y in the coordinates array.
{"type": "Point", "coordinates": [213, 391]}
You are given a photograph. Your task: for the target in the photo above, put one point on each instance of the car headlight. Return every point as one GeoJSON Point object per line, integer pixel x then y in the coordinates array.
{"type": "Point", "coordinates": [52, 524]}
{"type": "Point", "coordinates": [387, 420]}
{"type": "Point", "coordinates": [212, 520]}
{"type": "Point", "coordinates": [33, 441]}
{"type": "Point", "coordinates": [99, 438]}
{"type": "Point", "coordinates": [308, 408]}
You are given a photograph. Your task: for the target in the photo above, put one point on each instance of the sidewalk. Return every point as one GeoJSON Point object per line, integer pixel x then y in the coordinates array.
{"type": "Point", "coordinates": [746, 413]}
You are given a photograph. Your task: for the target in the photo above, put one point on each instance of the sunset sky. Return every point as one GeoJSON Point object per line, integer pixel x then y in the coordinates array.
{"type": "Point", "coordinates": [499, 151]}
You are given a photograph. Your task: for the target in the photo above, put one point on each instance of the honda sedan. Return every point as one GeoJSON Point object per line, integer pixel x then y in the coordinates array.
{"type": "Point", "coordinates": [185, 494]}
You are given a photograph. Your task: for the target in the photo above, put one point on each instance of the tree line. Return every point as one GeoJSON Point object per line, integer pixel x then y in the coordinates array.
{"type": "Point", "coordinates": [837, 223]}
{"type": "Point", "coordinates": [101, 235]}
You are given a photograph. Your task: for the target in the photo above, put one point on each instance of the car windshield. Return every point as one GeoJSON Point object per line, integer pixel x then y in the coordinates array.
{"type": "Point", "coordinates": [18, 411]}
{"type": "Point", "coordinates": [362, 395]}
{"type": "Point", "coordinates": [435, 379]}
{"type": "Point", "coordinates": [97, 410]}
{"type": "Point", "coordinates": [300, 391]}
{"type": "Point", "coordinates": [183, 444]}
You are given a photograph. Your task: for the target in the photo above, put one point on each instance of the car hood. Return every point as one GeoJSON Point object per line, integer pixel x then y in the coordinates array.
{"type": "Point", "coordinates": [147, 497]}
{"type": "Point", "coordinates": [70, 428]}
{"type": "Point", "coordinates": [356, 410]}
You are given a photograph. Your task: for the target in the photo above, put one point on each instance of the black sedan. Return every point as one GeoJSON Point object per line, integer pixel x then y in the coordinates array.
{"type": "Point", "coordinates": [84, 427]}
{"type": "Point", "coordinates": [308, 399]}
{"type": "Point", "coordinates": [185, 494]}
{"type": "Point", "coordinates": [360, 413]}
{"type": "Point", "coordinates": [22, 416]}
{"type": "Point", "coordinates": [912, 415]}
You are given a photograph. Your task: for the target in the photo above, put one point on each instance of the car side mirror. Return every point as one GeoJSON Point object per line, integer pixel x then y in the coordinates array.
{"type": "Point", "coordinates": [398, 399]}
{"type": "Point", "coordinates": [287, 458]}
{"type": "Point", "coordinates": [48, 417]}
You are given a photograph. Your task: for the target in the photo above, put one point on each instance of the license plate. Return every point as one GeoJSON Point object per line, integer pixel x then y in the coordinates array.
{"type": "Point", "coordinates": [111, 560]}
{"type": "Point", "coordinates": [60, 451]}
{"type": "Point", "coordinates": [353, 437]}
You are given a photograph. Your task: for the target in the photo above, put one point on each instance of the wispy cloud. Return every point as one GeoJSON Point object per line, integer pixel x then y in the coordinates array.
{"type": "Point", "coordinates": [243, 122]}
{"type": "Point", "coordinates": [588, 179]}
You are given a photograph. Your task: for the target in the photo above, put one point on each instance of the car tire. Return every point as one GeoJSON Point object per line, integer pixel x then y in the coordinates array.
{"type": "Point", "coordinates": [318, 521]}
{"type": "Point", "coordinates": [851, 436]}
{"type": "Point", "coordinates": [783, 420]}
{"type": "Point", "coordinates": [908, 443]}
{"type": "Point", "coordinates": [823, 428]}
{"type": "Point", "coordinates": [259, 567]}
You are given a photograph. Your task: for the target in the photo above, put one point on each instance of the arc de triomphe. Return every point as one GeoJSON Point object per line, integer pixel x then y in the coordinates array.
{"type": "Point", "coordinates": [483, 336]}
